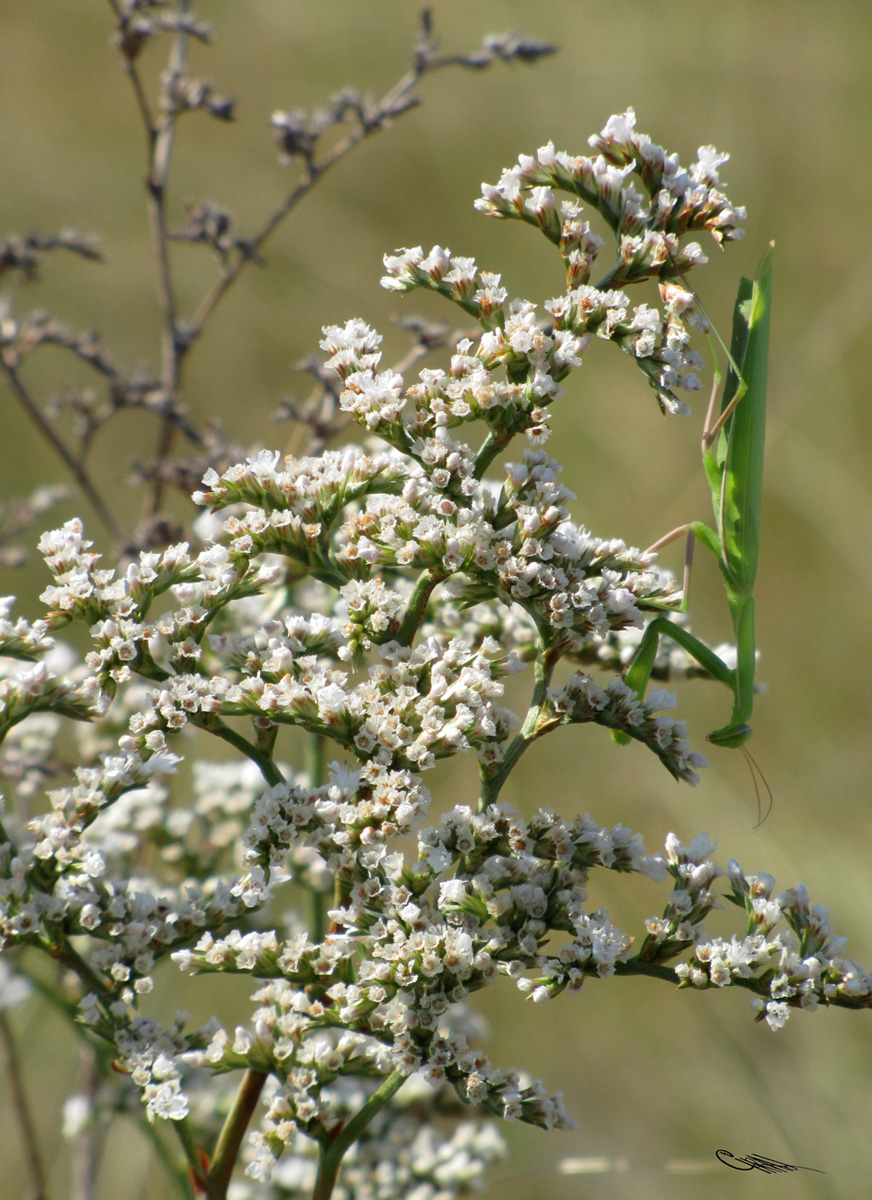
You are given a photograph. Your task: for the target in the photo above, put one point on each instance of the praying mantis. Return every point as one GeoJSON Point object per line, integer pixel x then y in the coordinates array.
{"type": "Point", "coordinates": [732, 454]}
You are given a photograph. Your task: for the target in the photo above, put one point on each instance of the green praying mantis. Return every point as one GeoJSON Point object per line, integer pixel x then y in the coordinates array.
{"type": "Point", "coordinates": [732, 453]}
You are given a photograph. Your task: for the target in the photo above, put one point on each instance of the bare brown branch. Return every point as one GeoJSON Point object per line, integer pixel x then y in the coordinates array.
{"type": "Point", "coordinates": [23, 1115]}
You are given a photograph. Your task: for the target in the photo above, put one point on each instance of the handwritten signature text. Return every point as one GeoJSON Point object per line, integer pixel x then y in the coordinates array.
{"type": "Point", "coordinates": [757, 1162]}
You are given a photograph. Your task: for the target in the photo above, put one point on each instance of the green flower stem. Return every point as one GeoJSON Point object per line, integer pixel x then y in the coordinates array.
{"type": "Point", "coordinates": [190, 1181]}
{"type": "Point", "coordinates": [317, 776]}
{"type": "Point", "coordinates": [493, 445]}
{"type": "Point", "coordinates": [490, 788]}
{"type": "Point", "coordinates": [635, 966]}
{"type": "Point", "coordinates": [316, 759]}
{"type": "Point", "coordinates": [418, 604]}
{"type": "Point", "coordinates": [193, 1156]}
{"type": "Point", "coordinates": [339, 897]}
{"type": "Point", "coordinates": [230, 1139]}
{"type": "Point", "coordinates": [60, 949]}
{"type": "Point", "coordinates": [539, 720]}
{"type": "Point", "coordinates": [264, 761]}
{"type": "Point", "coordinates": [333, 1151]}
{"type": "Point", "coordinates": [319, 916]}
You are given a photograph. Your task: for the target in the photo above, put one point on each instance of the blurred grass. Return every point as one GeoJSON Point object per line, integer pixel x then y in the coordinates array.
{"type": "Point", "coordinates": [651, 1075]}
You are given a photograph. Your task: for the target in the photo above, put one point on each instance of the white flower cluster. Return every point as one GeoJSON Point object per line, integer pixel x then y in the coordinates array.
{"type": "Point", "coordinates": [288, 1039]}
{"type": "Point", "coordinates": [487, 893]}
{"type": "Point", "coordinates": [150, 1054]}
{"type": "Point", "coordinates": [20, 638]}
{"type": "Point", "coordinates": [648, 226]}
{"type": "Point", "coordinates": [406, 1151]}
{"type": "Point", "coordinates": [688, 904]}
{"type": "Point", "coordinates": [36, 678]}
{"type": "Point", "coordinates": [618, 707]}
{"type": "Point", "coordinates": [673, 200]}
{"type": "Point", "coordinates": [796, 968]}
{"type": "Point", "coordinates": [515, 339]}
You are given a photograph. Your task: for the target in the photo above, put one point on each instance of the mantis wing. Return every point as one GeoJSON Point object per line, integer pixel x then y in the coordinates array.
{"type": "Point", "coordinates": [739, 465]}
{"type": "Point", "coordinates": [741, 441]}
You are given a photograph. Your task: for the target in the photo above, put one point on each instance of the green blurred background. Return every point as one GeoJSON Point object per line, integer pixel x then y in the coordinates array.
{"type": "Point", "coordinates": [652, 1076]}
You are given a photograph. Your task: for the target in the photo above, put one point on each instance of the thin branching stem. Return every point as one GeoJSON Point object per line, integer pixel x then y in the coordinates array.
{"type": "Point", "coordinates": [136, 84]}
{"type": "Point", "coordinates": [23, 1116]}
{"type": "Point", "coordinates": [317, 776]}
{"type": "Point", "coordinates": [74, 465]}
{"type": "Point", "coordinates": [393, 104]}
{"type": "Point", "coordinates": [197, 1162]}
{"type": "Point", "coordinates": [182, 1178]}
{"type": "Point", "coordinates": [261, 758]}
{"type": "Point", "coordinates": [417, 606]}
{"type": "Point", "coordinates": [63, 952]}
{"type": "Point", "coordinates": [492, 446]}
{"type": "Point", "coordinates": [156, 186]}
{"type": "Point", "coordinates": [90, 1140]}
{"type": "Point", "coordinates": [653, 970]}
{"type": "Point", "coordinates": [333, 1151]}
{"type": "Point", "coordinates": [232, 1133]}
{"type": "Point", "coordinates": [539, 720]}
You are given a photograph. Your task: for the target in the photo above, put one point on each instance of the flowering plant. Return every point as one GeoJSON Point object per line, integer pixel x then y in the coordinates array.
{"type": "Point", "coordinates": [376, 597]}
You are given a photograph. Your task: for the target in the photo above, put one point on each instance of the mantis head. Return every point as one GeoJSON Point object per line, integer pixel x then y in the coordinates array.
{"type": "Point", "coordinates": [731, 736]}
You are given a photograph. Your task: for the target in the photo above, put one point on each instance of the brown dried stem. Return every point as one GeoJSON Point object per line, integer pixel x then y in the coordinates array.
{"type": "Point", "coordinates": [156, 184]}
{"type": "Point", "coordinates": [23, 1115]}
{"type": "Point", "coordinates": [302, 139]}
{"type": "Point", "coordinates": [75, 465]}
{"type": "Point", "coordinates": [393, 104]}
